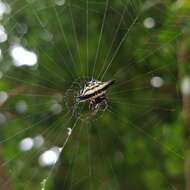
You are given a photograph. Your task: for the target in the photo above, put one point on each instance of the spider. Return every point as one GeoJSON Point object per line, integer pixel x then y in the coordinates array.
{"type": "Point", "coordinates": [94, 92]}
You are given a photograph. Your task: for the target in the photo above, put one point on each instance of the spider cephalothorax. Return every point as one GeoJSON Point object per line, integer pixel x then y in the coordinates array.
{"type": "Point", "coordinates": [95, 93]}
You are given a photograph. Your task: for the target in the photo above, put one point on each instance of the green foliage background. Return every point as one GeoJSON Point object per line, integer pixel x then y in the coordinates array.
{"type": "Point", "coordinates": [138, 143]}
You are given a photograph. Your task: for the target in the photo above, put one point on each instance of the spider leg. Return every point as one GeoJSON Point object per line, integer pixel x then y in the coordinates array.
{"type": "Point", "coordinates": [98, 104]}
{"type": "Point", "coordinates": [101, 103]}
{"type": "Point", "coordinates": [92, 105]}
{"type": "Point", "coordinates": [104, 104]}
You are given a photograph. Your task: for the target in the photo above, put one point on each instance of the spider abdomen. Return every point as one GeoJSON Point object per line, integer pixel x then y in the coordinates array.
{"type": "Point", "coordinates": [95, 92]}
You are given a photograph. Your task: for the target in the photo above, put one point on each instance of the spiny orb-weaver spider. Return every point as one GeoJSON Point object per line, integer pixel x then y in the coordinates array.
{"type": "Point", "coordinates": [94, 92]}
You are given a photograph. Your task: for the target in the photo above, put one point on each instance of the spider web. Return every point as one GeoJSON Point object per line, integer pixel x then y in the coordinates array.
{"type": "Point", "coordinates": [133, 125]}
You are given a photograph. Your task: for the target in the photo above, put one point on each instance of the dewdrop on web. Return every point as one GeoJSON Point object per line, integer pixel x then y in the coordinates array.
{"type": "Point", "coordinates": [43, 184]}
{"type": "Point", "coordinates": [69, 131]}
{"type": "Point", "coordinates": [49, 157]}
